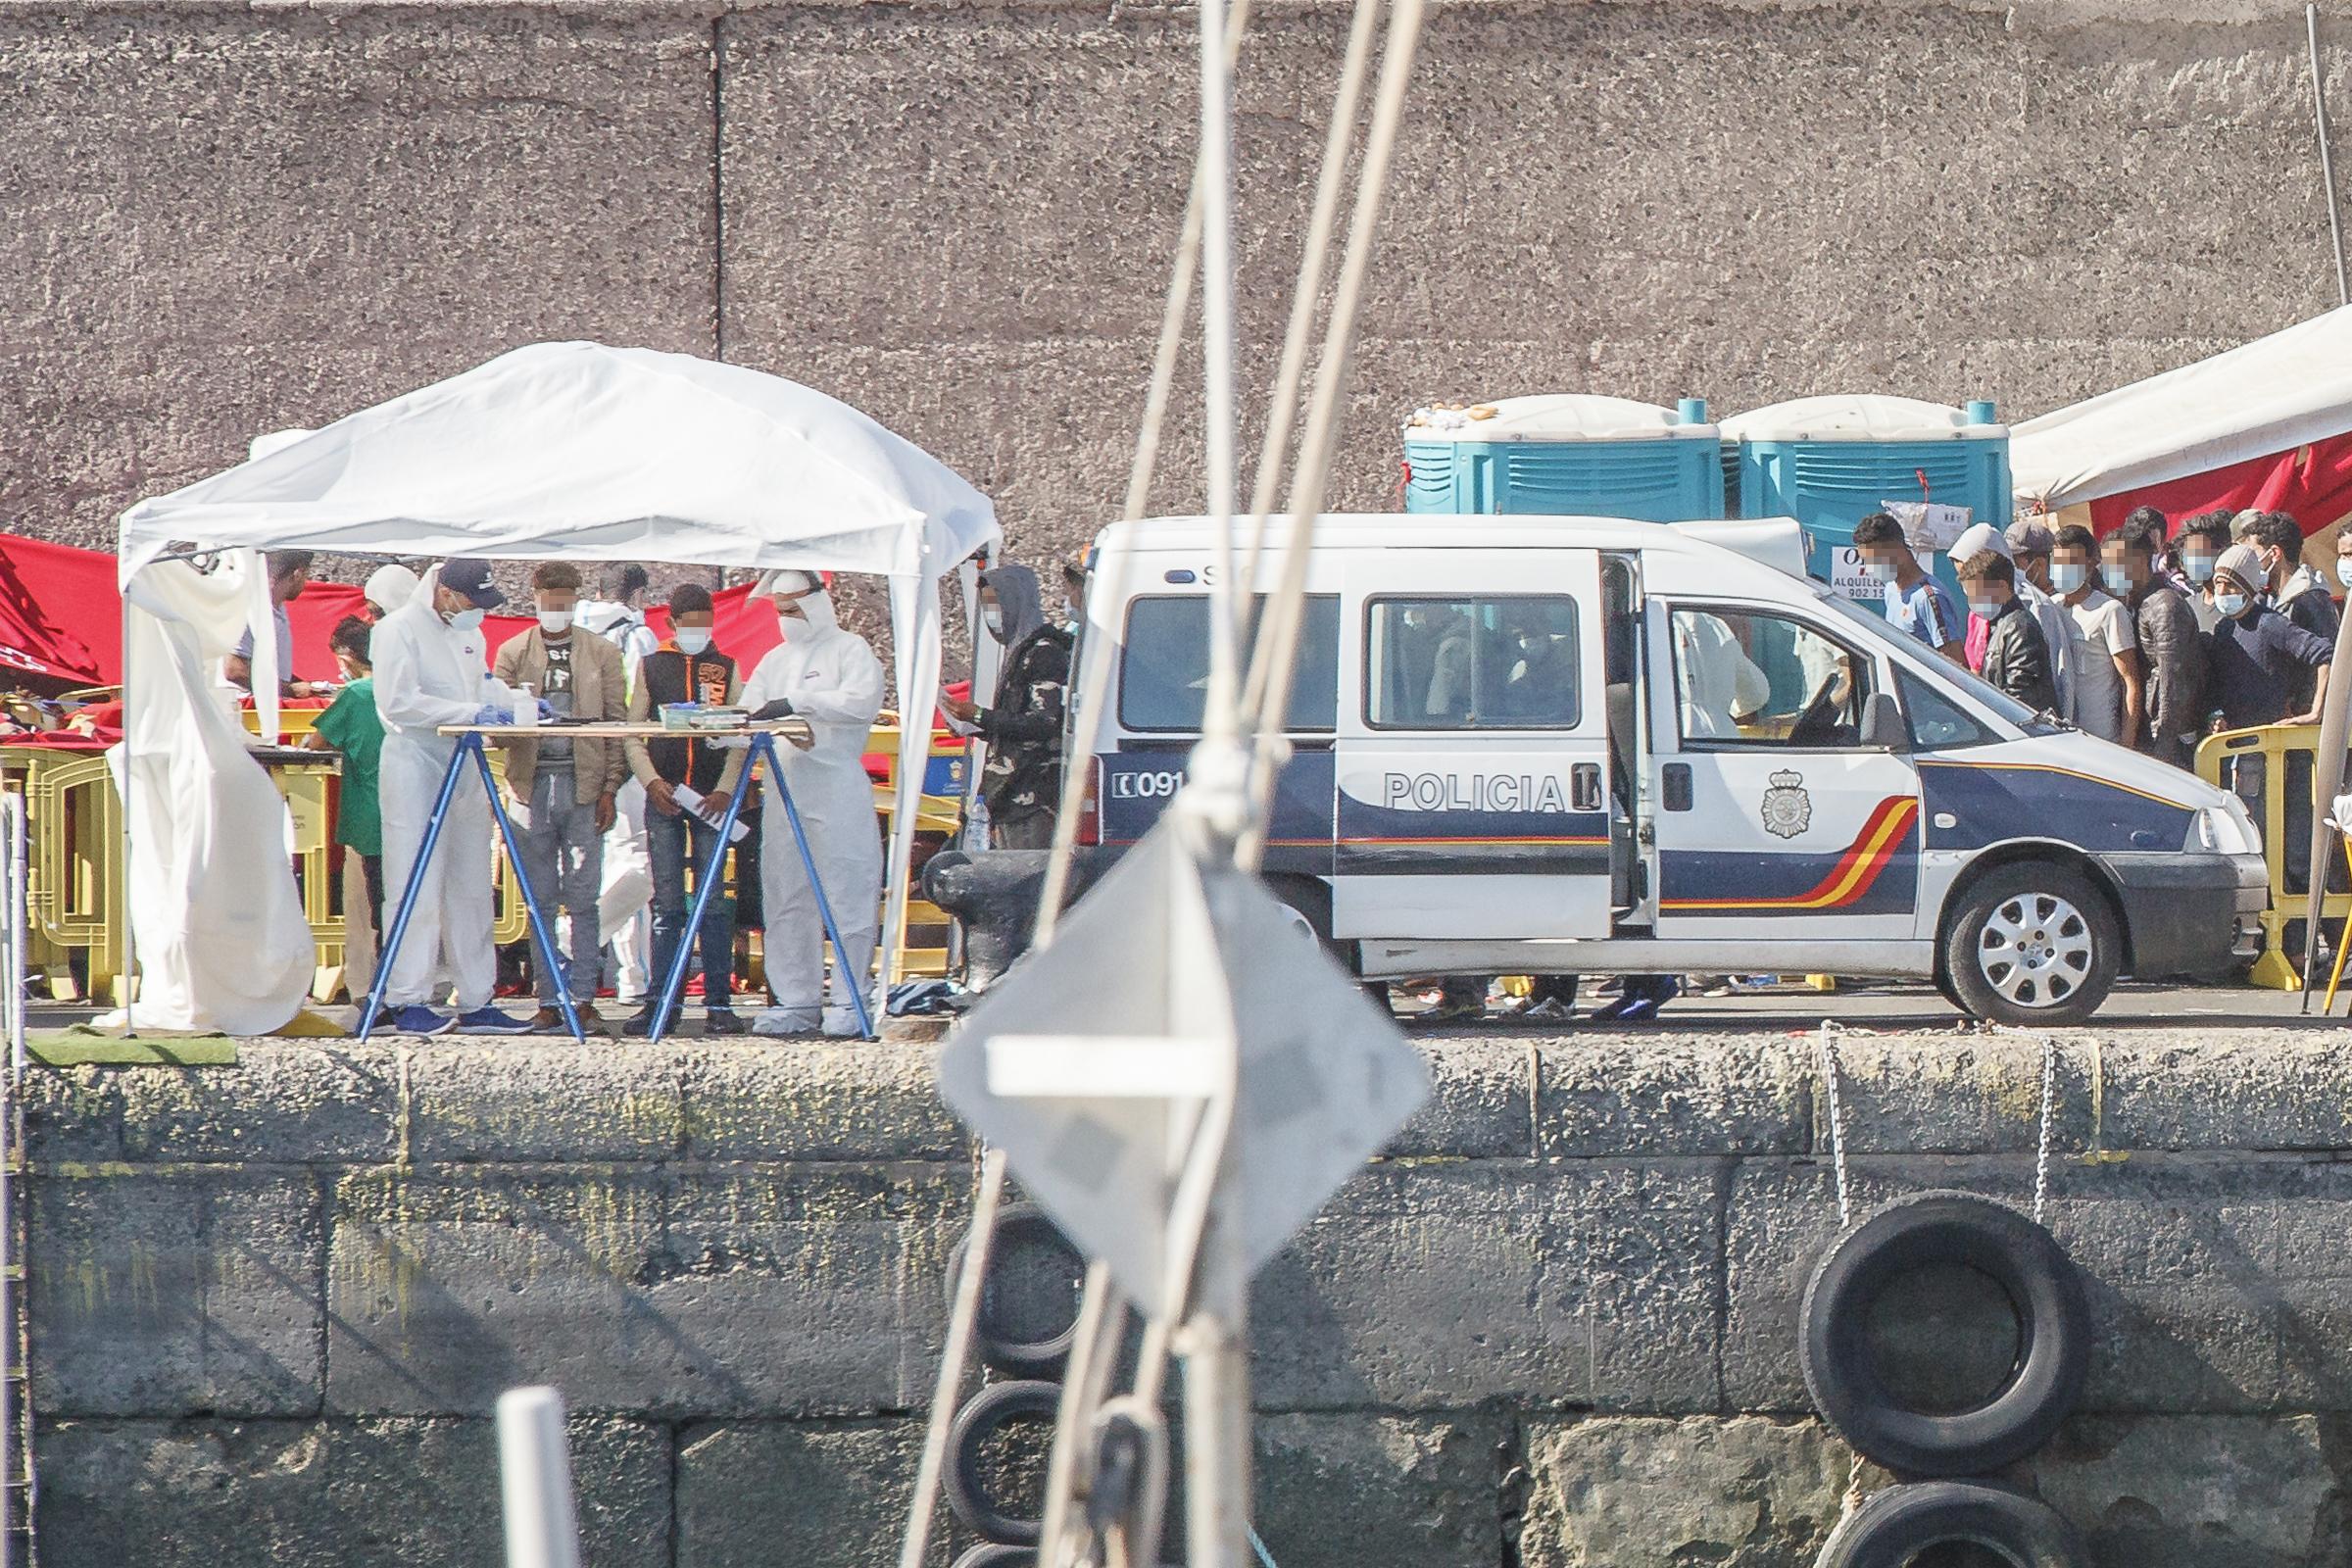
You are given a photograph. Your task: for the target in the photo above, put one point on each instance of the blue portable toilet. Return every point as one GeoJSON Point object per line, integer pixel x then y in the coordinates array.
{"type": "Point", "coordinates": [1568, 453]}
{"type": "Point", "coordinates": [1830, 461]}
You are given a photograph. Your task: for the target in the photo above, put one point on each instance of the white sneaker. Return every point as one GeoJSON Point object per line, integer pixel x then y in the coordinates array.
{"type": "Point", "coordinates": [787, 1022]}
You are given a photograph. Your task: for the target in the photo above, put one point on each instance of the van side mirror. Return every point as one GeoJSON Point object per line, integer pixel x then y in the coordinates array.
{"type": "Point", "coordinates": [1884, 728]}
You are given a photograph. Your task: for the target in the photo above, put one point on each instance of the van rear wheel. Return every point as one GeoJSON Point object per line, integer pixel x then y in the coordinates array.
{"type": "Point", "coordinates": [2032, 944]}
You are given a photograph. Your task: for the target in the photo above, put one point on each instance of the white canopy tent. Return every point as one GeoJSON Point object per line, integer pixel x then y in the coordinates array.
{"type": "Point", "coordinates": [579, 452]}
{"type": "Point", "coordinates": [2273, 395]}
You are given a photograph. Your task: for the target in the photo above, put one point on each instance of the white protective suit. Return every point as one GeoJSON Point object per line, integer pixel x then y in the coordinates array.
{"type": "Point", "coordinates": [834, 681]}
{"type": "Point", "coordinates": [429, 673]}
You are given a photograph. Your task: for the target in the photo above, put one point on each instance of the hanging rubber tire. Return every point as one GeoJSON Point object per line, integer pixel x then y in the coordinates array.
{"type": "Point", "coordinates": [2032, 944]}
{"type": "Point", "coordinates": [1896, 1525]}
{"type": "Point", "coordinates": [988, 1554]}
{"type": "Point", "coordinates": [1043, 1355]}
{"type": "Point", "coordinates": [987, 1413]}
{"type": "Point", "coordinates": [1931, 1229]}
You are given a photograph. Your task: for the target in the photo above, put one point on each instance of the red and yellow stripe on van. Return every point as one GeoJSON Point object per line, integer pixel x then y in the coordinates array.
{"type": "Point", "coordinates": [1857, 871]}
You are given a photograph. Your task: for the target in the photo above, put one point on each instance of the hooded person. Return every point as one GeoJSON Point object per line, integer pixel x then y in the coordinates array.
{"type": "Point", "coordinates": [828, 676]}
{"type": "Point", "coordinates": [1021, 779]}
{"type": "Point", "coordinates": [390, 586]}
{"type": "Point", "coordinates": [428, 673]}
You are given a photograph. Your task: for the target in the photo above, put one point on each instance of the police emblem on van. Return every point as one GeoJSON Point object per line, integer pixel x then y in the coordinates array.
{"type": "Point", "coordinates": [1788, 808]}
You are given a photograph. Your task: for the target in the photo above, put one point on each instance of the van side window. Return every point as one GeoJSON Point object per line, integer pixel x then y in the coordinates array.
{"type": "Point", "coordinates": [1163, 664]}
{"type": "Point", "coordinates": [1750, 678]}
{"type": "Point", "coordinates": [1938, 724]}
{"type": "Point", "coordinates": [1498, 662]}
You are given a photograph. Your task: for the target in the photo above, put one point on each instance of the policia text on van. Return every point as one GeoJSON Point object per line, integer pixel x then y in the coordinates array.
{"type": "Point", "coordinates": [1529, 745]}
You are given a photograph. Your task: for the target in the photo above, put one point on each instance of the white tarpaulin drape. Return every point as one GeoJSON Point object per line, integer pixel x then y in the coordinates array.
{"type": "Point", "coordinates": [2271, 395]}
{"type": "Point", "coordinates": [580, 452]}
{"type": "Point", "coordinates": [217, 920]}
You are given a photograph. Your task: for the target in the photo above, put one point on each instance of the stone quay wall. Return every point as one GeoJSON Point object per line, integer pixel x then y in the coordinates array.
{"type": "Point", "coordinates": [1554, 1328]}
{"type": "Point", "coordinates": [228, 216]}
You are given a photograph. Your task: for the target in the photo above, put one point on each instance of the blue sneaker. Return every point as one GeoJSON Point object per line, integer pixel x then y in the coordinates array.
{"type": "Point", "coordinates": [488, 1020]}
{"type": "Point", "coordinates": [418, 1019]}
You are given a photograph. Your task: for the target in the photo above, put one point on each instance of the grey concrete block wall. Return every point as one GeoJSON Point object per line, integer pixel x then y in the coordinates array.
{"type": "Point", "coordinates": [1554, 1328]}
{"type": "Point", "coordinates": [232, 219]}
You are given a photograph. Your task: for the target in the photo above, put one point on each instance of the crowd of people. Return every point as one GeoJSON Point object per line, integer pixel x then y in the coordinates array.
{"type": "Point", "coordinates": [574, 798]}
{"type": "Point", "coordinates": [2152, 638]}
{"type": "Point", "coordinates": [416, 663]}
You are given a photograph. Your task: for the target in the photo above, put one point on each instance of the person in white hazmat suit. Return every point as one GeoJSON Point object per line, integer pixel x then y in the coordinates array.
{"type": "Point", "coordinates": [429, 673]}
{"type": "Point", "coordinates": [830, 678]}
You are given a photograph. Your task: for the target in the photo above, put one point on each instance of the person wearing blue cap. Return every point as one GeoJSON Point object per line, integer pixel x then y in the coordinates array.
{"type": "Point", "coordinates": [428, 673]}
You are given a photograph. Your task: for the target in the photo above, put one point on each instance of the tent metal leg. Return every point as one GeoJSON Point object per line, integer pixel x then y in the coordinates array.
{"type": "Point", "coordinates": [408, 897]}
{"type": "Point", "coordinates": [706, 888]}
{"type": "Point", "coordinates": [522, 884]}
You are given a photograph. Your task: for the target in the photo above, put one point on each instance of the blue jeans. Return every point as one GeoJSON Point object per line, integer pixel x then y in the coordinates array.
{"type": "Point", "coordinates": [665, 844]}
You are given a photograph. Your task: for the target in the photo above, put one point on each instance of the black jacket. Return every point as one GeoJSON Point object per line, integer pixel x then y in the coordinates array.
{"type": "Point", "coordinates": [2172, 651]}
{"type": "Point", "coordinates": [2016, 657]}
{"type": "Point", "coordinates": [1023, 730]}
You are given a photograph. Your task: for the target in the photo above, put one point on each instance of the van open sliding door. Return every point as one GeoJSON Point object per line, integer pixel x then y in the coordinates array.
{"type": "Point", "coordinates": [1472, 768]}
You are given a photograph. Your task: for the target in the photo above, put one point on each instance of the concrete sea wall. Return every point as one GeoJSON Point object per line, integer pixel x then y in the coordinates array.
{"type": "Point", "coordinates": [228, 217]}
{"type": "Point", "coordinates": [1555, 1328]}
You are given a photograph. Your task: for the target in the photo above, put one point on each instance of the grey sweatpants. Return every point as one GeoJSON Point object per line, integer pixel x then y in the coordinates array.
{"type": "Point", "coordinates": [564, 856]}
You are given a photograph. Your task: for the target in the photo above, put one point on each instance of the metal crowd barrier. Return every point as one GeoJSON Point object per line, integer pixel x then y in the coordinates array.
{"type": "Point", "coordinates": [2271, 770]}
{"type": "Point", "coordinates": [72, 937]}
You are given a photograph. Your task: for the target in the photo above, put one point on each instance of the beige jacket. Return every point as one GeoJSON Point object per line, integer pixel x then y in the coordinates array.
{"type": "Point", "coordinates": [599, 692]}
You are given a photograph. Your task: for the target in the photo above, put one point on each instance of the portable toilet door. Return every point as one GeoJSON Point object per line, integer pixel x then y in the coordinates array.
{"type": "Point", "coordinates": [1830, 461]}
{"type": "Point", "coordinates": [1566, 453]}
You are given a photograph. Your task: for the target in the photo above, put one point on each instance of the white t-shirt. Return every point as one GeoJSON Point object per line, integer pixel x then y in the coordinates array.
{"type": "Point", "coordinates": [2099, 629]}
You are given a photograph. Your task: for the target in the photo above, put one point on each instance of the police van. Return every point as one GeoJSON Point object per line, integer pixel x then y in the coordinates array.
{"type": "Point", "coordinates": [1570, 744]}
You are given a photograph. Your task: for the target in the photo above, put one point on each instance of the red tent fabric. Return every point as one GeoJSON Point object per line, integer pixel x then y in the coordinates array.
{"type": "Point", "coordinates": [60, 616]}
{"type": "Point", "coordinates": [2312, 483]}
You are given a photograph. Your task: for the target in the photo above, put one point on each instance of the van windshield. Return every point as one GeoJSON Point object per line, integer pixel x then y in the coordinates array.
{"type": "Point", "coordinates": [1163, 666]}
{"type": "Point", "coordinates": [1974, 686]}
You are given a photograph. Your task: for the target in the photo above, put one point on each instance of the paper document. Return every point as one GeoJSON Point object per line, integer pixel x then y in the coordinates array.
{"type": "Point", "coordinates": [692, 798]}
{"type": "Point", "coordinates": [955, 726]}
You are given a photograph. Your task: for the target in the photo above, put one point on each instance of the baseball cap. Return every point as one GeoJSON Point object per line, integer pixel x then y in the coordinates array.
{"type": "Point", "coordinates": [1976, 539]}
{"type": "Point", "coordinates": [2030, 538]}
{"type": "Point", "coordinates": [472, 579]}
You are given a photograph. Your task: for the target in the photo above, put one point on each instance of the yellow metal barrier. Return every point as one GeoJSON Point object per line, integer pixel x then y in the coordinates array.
{"type": "Point", "coordinates": [923, 946]}
{"type": "Point", "coordinates": [2269, 770]}
{"type": "Point", "coordinates": [75, 894]}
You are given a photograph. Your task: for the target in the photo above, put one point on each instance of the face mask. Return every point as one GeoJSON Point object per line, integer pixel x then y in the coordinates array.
{"type": "Point", "coordinates": [465, 619]}
{"type": "Point", "coordinates": [1879, 570]}
{"type": "Point", "coordinates": [692, 640]}
{"type": "Point", "coordinates": [1069, 611]}
{"type": "Point", "coordinates": [2343, 571]}
{"type": "Point", "coordinates": [2198, 567]}
{"type": "Point", "coordinates": [1983, 608]}
{"type": "Point", "coordinates": [2232, 605]}
{"type": "Point", "coordinates": [2067, 577]}
{"type": "Point", "coordinates": [555, 622]}
{"type": "Point", "coordinates": [994, 619]}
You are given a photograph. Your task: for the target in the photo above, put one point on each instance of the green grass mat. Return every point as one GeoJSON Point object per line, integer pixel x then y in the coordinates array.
{"type": "Point", "coordinates": [81, 1046]}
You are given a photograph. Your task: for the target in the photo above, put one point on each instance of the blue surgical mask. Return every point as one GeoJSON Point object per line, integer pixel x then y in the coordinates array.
{"type": "Point", "coordinates": [691, 639]}
{"type": "Point", "coordinates": [465, 619]}
{"type": "Point", "coordinates": [2231, 606]}
{"type": "Point", "coordinates": [2198, 567]}
{"type": "Point", "coordinates": [1983, 608]}
{"type": "Point", "coordinates": [2066, 577]}
{"type": "Point", "coordinates": [1879, 570]}
{"type": "Point", "coordinates": [2343, 571]}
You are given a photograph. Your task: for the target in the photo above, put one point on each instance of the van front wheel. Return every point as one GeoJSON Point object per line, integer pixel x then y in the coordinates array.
{"type": "Point", "coordinates": [2032, 944]}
